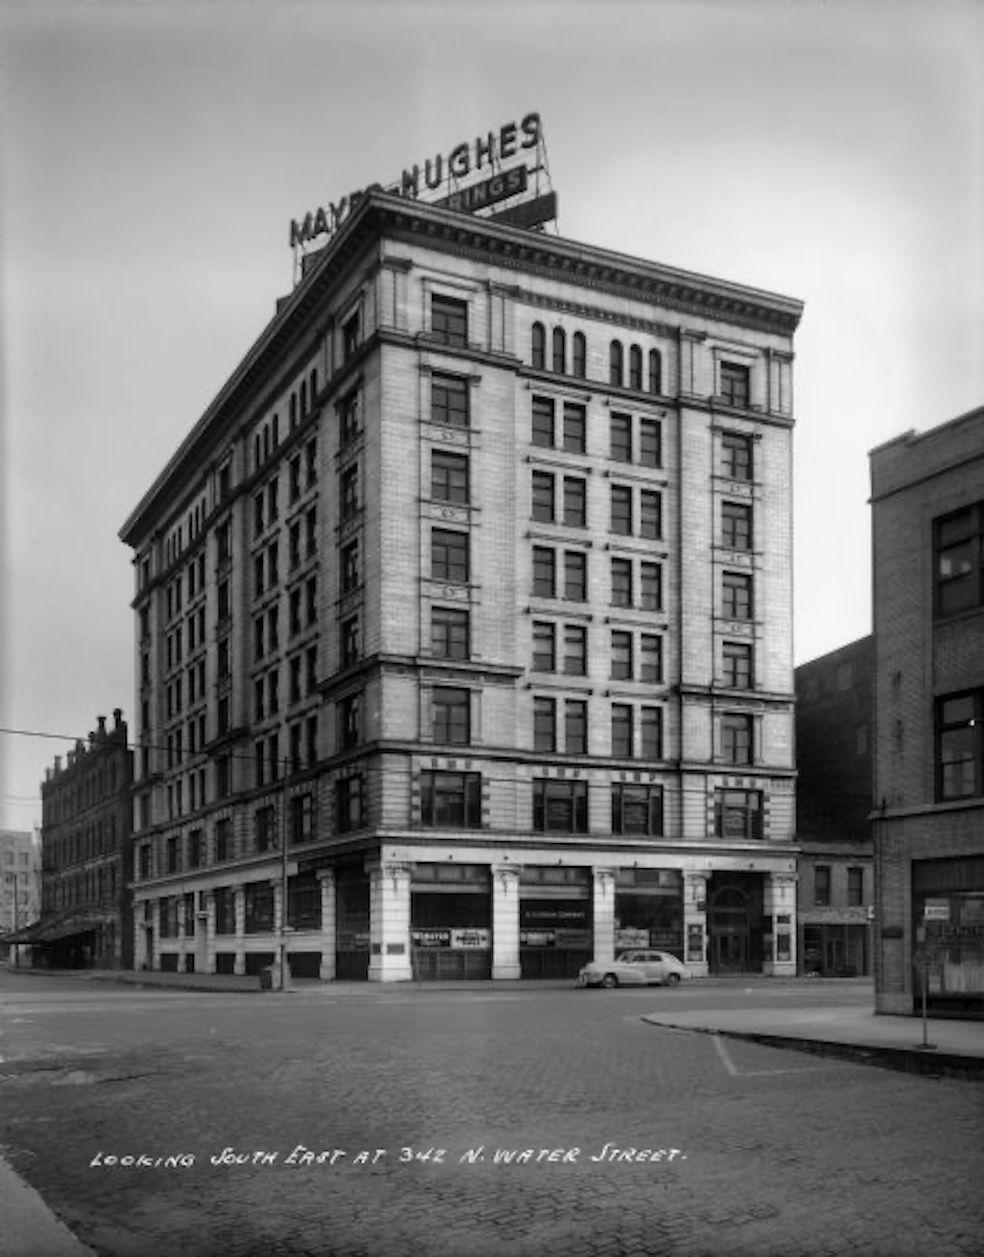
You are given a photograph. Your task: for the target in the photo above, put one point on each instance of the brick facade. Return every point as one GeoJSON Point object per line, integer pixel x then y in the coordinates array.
{"type": "Point", "coordinates": [928, 846]}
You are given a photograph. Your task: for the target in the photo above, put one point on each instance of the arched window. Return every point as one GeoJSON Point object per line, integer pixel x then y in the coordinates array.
{"type": "Point", "coordinates": [314, 384]}
{"type": "Point", "coordinates": [303, 398]}
{"type": "Point", "coordinates": [539, 347]}
{"type": "Point", "coordinates": [559, 350]}
{"type": "Point", "coordinates": [615, 363]}
{"type": "Point", "coordinates": [635, 368]}
{"type": "Point", "coordinates": [655, 372]}
{"type": "Point", "coordinates": [293, 411]}
{"type": "Point", "coordinates": [580, 355]}
{"type": "Point", "coordinates": [276, 431]}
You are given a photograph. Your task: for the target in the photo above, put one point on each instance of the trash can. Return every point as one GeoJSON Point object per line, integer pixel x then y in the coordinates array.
{"type": "Point", "coordinates": [270, 978]}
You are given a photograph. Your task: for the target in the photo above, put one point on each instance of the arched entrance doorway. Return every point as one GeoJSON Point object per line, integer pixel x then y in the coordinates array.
{"type": "Point", "coordinates": [734, 923]}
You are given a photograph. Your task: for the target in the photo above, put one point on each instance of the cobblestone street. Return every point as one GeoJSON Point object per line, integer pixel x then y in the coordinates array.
{"type": "Point", "coordinates": [490, 1123]}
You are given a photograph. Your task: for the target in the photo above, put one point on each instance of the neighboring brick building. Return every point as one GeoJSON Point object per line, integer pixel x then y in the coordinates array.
{"type": "Point", "coordinates": [471, 593]}
{"type": "Point", "coordinates": [834, 714]}
{"type": "Point", "coordinates": [20, 887]}
{"type": "Point", "coordinates": [86, 835]}
{"type": "Point", "coordinates": [927, 492]}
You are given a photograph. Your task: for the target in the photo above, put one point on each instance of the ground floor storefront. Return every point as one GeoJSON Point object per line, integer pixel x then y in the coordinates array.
{"type": "Point", "coordinates": [432, 911]}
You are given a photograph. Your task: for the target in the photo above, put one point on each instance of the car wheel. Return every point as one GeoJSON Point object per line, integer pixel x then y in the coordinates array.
{"type": "Point", "coordinates": [609, 980]}
{"type": "Point", "coordinates": [672, 979]}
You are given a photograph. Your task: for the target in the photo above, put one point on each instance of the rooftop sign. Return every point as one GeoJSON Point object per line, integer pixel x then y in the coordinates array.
{"type": "Point", "coordinates": [500, 155]}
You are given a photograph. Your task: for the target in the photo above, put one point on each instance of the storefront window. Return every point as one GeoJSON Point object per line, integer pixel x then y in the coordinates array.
{"type": "Point", "coordinates": [948, 921]}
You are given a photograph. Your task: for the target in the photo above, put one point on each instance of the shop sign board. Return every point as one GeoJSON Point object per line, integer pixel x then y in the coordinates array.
{"type": "Point", "coordinates": [936, 910]}
{"type": "Point", "coordinates": [574, 940]}
{"type": "Point", "coordinates": [466, 159]}
{"type": "Point", "coordinates": [537, 938]}
{"type": "Point", "coordinates": [431, 938]}
{"type": "Point", "coordinates": [468, 939]}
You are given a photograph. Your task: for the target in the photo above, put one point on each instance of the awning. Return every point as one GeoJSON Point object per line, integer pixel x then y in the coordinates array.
{"type": "Point", "coordinates": [47, 931]}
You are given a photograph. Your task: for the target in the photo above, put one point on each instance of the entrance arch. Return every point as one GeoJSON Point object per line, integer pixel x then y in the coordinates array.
{"type": "Point", "coordinates": [734, 918]}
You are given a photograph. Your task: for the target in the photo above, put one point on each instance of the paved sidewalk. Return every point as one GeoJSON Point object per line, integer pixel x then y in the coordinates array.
{"type": "Point", "coordinates": [28, 1228]}
{"type": "Point", "coordinates": [955, 1047]}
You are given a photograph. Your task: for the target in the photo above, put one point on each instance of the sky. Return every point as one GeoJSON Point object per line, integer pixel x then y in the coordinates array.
{"type": "Point", "coordinates": [154, 152]}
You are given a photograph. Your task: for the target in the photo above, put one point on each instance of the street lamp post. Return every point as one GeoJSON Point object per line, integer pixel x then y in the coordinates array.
{"type": "Point", "coordinates": [16, 946]}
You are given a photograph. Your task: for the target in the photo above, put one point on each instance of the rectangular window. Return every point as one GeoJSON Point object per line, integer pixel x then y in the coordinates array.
{"type": "Point", "coordinates": [304, 902]}
{"type": "Point", "coordinates": [622, 730]}
{"type": "Point", "coordinates": [736, 739]}
{"type": "Point", "coordinates": [575, 576]}
{"type": "Point", "coordinates": [349, 648]}
{"type": "Point", "coordinates": [449, 477]}
{"type": "Point", "coordinates": [650, 443]}
{"type": "Point", "coordinates": [737, 665]}
{"type": "Point", "coordinates": [621, 583]}
{"type": "Point", "coordinates": [451, 709]}
{"type": "Point", "coordinates": [544, 724]}
{"type": "Point", "coordinates": [259, 907]}
{"type": "Point", "coordinates": [544, 646]}
{"type": "Point", "coordinates": [544, 572]}
{"type": "Point", "coordinates": [351, 574]}
{"type": "Point", "coordinates": [449, 320]}
{"type": "Point", "coordinates": [575, 726]}
{"type": "Point", "coordinates": [959, 742]}
{"type": "Point", "coordinates": [637, 809]}
{"type": "Point", "coordinates": [265, 829]}
{"type": "Point", "coordinates": [349, 492]}
{"type": "Point", "coordinates": [650, 587]}
{"type": "Point", "coordinates": [449, 555]}
{"type": "Point", "coordinates": [575, 502]}
{"type": "Point", "coordinates": [621, 438]}
{"type": "Point", "coordinates": [543, 422]}
{"type": "Point", "coordinates": [738, 814]}
{"type": "Point", "coordinates": [350, 721]}
{"type": "Point", "coordinates": [348, 419]}
{"type": "Point", "coordinates": [575, 428]}
{"type": "Point", "coordinates": [300, 816]}
{"type": "Point", "coordinates": [651, 658]}
{"type": "Point", "coordinates": [621, 656]}
{"type": "Point", "coordinates": [958, 560]}
{"type": "Point", "coordinates": [543, 497]}
{"type": "Point", "coordinates": [651, 732]}
{"type": "Point", "coordinates": [736, 456]}
{"type": "Point", "coordinates": [736, 588]}
{"type": "Point", "coordinates": [560, 807]}
{"type": "Point", "coordinates": [650, 514]}
{"type": "Point", "coordinates": [449, 401]}
{"type": "Point", "coordinates": [736, 526]}
{"type": "Point", "coordinates": [734, 384]}
{"type": "Point", "coordinates": [449, 633]}
{"type": "Point", "coordinates": [350, 337]}
{"type": "Point", "coordinates": [575, 650]}
{"type": "Point", "coordinates": [821, 886]}
{"type": "Point", "coordinates": [451, 800]}
{"type": "Point", "coordinates": [621, 510]}
{"type": "Point", "coordinates": [223, 839]}
{"type": "Point", "coordinates": [855, 887]}
{"type": "Point", "coordinates": [348, 804]}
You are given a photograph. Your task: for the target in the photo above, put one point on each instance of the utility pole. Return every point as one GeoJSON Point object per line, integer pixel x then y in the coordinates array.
{"type": "Point", "coordinates": [284, 802]}
{"type": "Point", "coordinates": [16, 946]}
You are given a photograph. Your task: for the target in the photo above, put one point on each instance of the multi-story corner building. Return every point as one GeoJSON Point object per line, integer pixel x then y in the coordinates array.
{"type": "Point", "coordinates": [86, 835]}
{"type": "Point", "coordinates": [20, 887]}
{"type": "Point", "coordinates": [927, 493]}
{"type": "Point", "coordinates": [835, 894]}
{"type": "Point", "coordinates": [463, 618]}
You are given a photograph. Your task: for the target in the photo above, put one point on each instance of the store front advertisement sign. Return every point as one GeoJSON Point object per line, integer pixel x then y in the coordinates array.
{"type": "Point", "coordinates": [462, 939]}
{"type": "Point", "coordinates": [432, 938]}
{"type": "Point", "coordinates": [936, 910]}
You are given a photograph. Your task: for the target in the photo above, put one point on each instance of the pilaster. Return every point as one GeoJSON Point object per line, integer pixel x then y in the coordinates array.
{"type": "Point", "coordinates": [505, 921]}
{"type": "Point", "coordinates": [780, 907]}
{"type": "Point", "coordinates": [603, 907]}
{"type": "Point", "coordinates": [695, 921]}
{"type": "Point", "coordinates": [240, 902]}
{"type": "Point", "coordinates": [327, 879]}
{"type": "Point", "coordinates": [389, 922]}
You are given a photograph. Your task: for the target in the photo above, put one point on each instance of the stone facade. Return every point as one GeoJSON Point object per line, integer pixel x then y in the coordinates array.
{"type": "Point", "coordinates": [471, 596]}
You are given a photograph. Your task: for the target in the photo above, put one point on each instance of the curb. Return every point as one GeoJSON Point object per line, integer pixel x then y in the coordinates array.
{"type": "Point", "coordinates": [914, 1060]}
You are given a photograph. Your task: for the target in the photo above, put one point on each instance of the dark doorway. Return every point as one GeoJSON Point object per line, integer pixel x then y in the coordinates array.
{"type": "Point", "coordinates": [734, 923]}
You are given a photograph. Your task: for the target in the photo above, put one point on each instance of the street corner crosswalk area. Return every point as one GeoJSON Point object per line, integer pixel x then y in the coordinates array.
{"type": "Point", "coordinates": [28, 1228]}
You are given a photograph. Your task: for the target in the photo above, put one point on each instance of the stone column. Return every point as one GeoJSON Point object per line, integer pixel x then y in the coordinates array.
{"type": "Point", "coordinates": [327, 879]}
{"type": "Point", "coordinates": [240, 902]}
{"type": "Point", "coordinates": [604, 915]}
{"type": "Point", "coordinates": [206, 923]}
{"type": "Point", "coordinates": [695, 921]}
{"type": "Point", "coordinates": [780, 905]}
{"type": "Point", "coordinates": [140, 956]}
{"type": "Point", "coordinates": [389, 922]}
{"type": "Point", "coordinates": [505, 921]}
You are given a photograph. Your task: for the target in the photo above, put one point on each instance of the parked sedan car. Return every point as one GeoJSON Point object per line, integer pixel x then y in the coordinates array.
{"type": "Point", "coordinates": [639, 967]}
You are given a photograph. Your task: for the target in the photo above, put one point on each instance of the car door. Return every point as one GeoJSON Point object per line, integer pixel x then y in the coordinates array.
{"type": "Point", "coordinates": [650, 967]}
{"type": "Point", "coordinates": [633, 967]}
